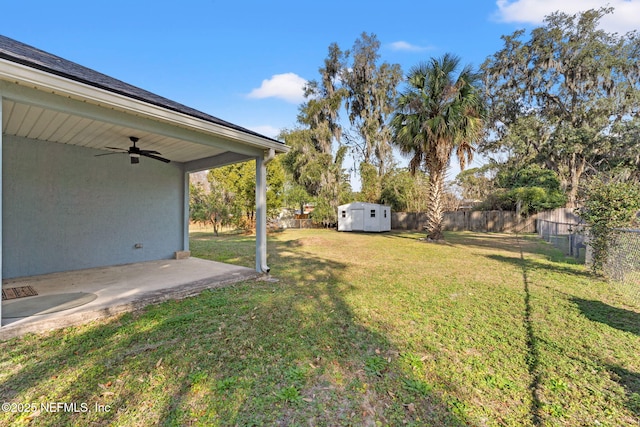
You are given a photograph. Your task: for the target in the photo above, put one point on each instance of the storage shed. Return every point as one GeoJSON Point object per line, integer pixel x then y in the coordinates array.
{"type": "Point", "coordinates": [360, 216]}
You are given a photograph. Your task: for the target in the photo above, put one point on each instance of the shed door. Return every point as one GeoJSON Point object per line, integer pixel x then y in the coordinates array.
{"type": "Point", "coordinates": [357, 219]}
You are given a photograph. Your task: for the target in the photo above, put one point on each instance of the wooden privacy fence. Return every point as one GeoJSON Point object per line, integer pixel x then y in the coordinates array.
{"type": "Point", "coordinates": [297, 223]}
{"type": "Point", "coordinates": [485, 221]}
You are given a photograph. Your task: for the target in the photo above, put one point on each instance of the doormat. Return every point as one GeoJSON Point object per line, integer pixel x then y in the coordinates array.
{"type": "Point", "coordinates": [19, 292]}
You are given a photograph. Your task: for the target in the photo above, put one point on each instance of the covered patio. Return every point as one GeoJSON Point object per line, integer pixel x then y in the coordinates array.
{"type": "Point", "coordinates": [75, 297]}
{"type": "Point", "coordinates": [95, 179]}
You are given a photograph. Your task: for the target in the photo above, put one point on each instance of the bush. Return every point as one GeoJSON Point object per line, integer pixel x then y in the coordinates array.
{"type": "Point", "coordinates": [531, 189]}
{"type": "Point", "coordinates": [323, 213]}
{"type": "Point", "coordinates": [608, 203]}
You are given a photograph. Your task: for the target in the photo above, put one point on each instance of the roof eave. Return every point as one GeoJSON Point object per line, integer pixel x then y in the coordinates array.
{"type": "Point", "coordinates": [52, 83]}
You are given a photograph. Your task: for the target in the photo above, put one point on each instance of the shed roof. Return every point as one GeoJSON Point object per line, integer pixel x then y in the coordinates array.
{"type": "Point", "coordinates": [361, 205]}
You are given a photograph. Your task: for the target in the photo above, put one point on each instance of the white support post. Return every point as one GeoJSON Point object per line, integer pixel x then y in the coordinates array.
{"type": "Point", "coordinates": [1, 211]}
{"type": "Point", "coordinates": [261, 216]}
{"type": "Point", "coordinates": [261, 211]}
{"type": "Point", "coordinates": [185, 212]}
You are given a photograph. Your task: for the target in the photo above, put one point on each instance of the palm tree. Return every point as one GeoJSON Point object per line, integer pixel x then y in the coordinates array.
{"type": "Point", "coordinates": [438, 115]}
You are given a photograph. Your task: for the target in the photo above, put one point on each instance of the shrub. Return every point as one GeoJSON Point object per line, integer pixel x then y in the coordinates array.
{"type": "Point", "coordinates": [608, 203]}
{"type": "Point", "coordinates": [530, 190]}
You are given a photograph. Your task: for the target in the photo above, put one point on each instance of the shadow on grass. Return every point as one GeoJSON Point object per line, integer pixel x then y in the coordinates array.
{"type": "Point", "coordinates": [551, 267]}
{"type": "Point", "coordinates": [256, 353]}
{"type": "Point", "coordinates": [511, 243]}
{"type": "Point", "coordinates": [533, 353]}
{"type": "Point", "coordinates": [630, 381]}
{"type": "Point", "coordinates": [404, 234]}
{"type": "Point", "coordinates": [492, 241]}
{"type": "Point", "coordinates": [618, 318]}
{"type": "Point", "coordinates": [623, 320]}
{"type": "Point", "coordinates": [515, 244]}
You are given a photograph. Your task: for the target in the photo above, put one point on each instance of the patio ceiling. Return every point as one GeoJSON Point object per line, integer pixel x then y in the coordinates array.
{"type": "Point", "coordinates": [39, 123]}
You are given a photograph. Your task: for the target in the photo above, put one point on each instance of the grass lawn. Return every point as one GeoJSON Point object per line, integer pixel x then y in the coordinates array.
{"type": "Point", "coordinates": [361, 329]}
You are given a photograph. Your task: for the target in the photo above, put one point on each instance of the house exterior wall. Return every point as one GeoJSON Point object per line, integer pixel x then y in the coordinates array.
{"type": "Point", "coordinates": [65, 209]}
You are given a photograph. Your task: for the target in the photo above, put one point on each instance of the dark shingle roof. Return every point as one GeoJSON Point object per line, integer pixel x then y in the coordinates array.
{"type": "Point", "coordinates": [29, 56]}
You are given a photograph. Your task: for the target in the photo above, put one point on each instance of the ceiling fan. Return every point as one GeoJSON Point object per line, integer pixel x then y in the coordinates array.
{"type": "Point", "coordinates": [135, 152]}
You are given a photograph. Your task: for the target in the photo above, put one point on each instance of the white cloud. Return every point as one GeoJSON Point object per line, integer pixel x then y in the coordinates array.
{"type": "Point", "coordinates": [266, 130]}
{"type": "Point", "coordinates": [407, 47]}
{"type": "Point", "coordinates": [288, 86]}
{"type": "Point", "coordinates": [626, 16]}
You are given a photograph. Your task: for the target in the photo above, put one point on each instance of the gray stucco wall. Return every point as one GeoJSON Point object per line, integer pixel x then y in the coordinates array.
{"type": "Point", "coordinates": [65, 209]}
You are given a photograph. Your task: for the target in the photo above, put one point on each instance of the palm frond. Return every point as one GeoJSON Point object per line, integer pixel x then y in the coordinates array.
{"type": "Point", "coordinates": [439, 114]}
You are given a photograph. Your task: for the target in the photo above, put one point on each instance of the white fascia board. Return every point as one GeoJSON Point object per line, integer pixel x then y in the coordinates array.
{"type": "Point", "coordinates": [52, 83]}
{"type": "Point", "coordinates": [71, 106]}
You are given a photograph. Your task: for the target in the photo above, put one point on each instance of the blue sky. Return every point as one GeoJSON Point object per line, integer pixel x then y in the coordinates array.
{"type": "Point", "coordinates": [246, 61]}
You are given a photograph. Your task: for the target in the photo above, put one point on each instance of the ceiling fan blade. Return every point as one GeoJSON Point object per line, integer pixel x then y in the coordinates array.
{"type": "Point", "coordinates": [162, 159]}
{"type": "Point", "coordinates": [108, 154]}
{"type": "Point", "coordinates": [135, 152]}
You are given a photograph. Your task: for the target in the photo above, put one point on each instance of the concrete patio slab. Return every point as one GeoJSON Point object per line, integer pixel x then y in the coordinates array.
{"type": "Point", "coordinates": [75, 297]}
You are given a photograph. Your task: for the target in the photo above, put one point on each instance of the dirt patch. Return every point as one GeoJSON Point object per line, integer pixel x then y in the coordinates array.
{"type": "Point", "coordinates": [308, 242]}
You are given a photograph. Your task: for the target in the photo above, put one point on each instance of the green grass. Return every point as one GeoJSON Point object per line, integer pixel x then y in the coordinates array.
{"type": "Point", "coordinates": [360, 330]}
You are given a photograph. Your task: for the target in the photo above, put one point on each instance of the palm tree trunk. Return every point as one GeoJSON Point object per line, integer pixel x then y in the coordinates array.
{"type": "Point", "coordinates": [434, 210]}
